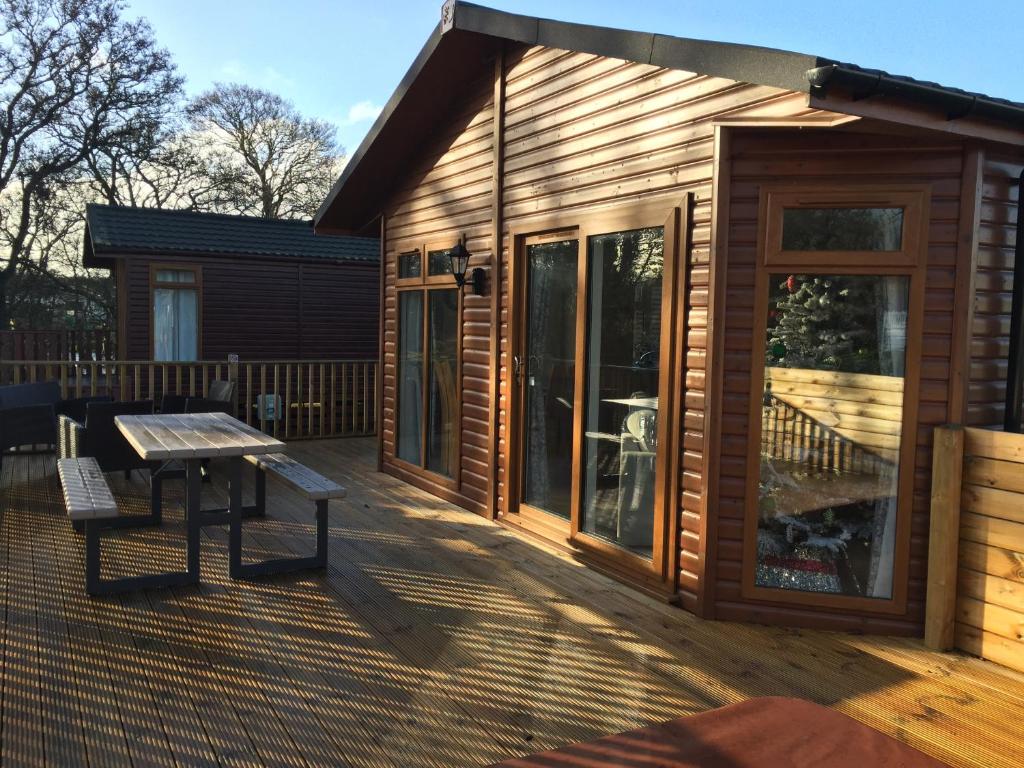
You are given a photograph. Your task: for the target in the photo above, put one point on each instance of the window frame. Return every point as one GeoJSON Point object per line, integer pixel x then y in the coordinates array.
{"type": "Point", "coordinates": [660, 571]}
{"type": "Point", "coordinates": [910, 198]}
{"type": "Point", "coordinates": [426, 284]}
{"type": "Point", "coordinates": [196, 286]}
{"type": "Point", "coordinates": [910, 261]}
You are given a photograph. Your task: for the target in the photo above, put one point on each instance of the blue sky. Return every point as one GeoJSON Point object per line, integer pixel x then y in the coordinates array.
{"type": "Point", "coordinates": [341, 60]}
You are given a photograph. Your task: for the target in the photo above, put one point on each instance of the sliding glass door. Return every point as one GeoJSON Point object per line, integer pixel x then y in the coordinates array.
{"type": "Point", "coordinates": [620, 438]}
{"type": "Point", "coordinates": [547, 373]}
{"type": "Point", "coordinates": [591, 385]}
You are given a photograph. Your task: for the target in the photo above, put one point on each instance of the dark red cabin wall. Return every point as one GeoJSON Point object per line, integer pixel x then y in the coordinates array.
{"type": "Point", "coordinates": [266, 309]}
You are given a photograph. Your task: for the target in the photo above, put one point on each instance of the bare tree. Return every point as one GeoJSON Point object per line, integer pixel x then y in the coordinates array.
{"type": "Point", "coordinates": [264, 158]}
{"type": "Point", "coordinates": [74, 77]}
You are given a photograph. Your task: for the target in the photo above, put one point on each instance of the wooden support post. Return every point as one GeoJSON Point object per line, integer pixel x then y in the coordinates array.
{"type": "Point", "coordinates": [944, 537]}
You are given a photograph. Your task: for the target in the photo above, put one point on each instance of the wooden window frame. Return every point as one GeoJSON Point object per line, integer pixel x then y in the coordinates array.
{"type": "Point", "coordinates": [197, 286]}
{"type": "Point", "coordinates": [659, 573]}
{"type": "Point", "coordinates": [908, 198]}
{"type": "Point", "coordinates": [406, 281]}
{"type": "Point", "coordinates": [426, 284]}
{"type": "Point", "coordinates": [911, 262]}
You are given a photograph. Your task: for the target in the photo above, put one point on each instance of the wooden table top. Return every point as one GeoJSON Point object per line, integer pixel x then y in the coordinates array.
{"type": "Point", "coordinates": [193, 436]}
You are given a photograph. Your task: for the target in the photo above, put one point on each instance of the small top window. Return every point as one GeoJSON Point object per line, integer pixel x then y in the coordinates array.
{"type": "Point", "coordinates": [175, 276]}
{"type": "Point", "coordinates": [842, 229]}
{"type": "Point", "coordinates": [409, 265]}
{"type": "Point", "coordinates": [439, 262]}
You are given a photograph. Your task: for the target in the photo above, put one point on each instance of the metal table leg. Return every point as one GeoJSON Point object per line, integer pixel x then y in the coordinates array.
{"type": "Point", "coordinates": [95, 585]}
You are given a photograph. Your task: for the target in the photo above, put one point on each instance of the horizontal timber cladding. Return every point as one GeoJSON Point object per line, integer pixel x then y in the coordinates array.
{"type": "Point", "coordinates": [585, 133]}
{"type": "Point", "coordinates": [990, 584]}
{"type": "Point", "coordinates": [835, 158]}
{"type": "Point", "coordinates": [993, 285]}
{"type": "Point", "coordinates": [445, 194]}
{"type": "Point", "coordinates": [263, 308]}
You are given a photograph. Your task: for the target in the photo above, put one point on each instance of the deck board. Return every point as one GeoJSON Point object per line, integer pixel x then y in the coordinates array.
{"type": "Point", "coordinates": [435, 638]}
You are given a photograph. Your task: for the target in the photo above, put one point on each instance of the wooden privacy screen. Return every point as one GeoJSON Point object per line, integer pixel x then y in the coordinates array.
{"type": "Point", "coordinates": [848, 422]}
{"type": "Point", "coordinates": [976, 545]}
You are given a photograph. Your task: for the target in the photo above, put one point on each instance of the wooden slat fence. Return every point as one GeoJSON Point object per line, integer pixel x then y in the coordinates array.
{"type": "Point", "coordinates": [289, 399]}
{"type": "Point", "coordinates": [975, 596]}
{"type": "Point", "coordinates": [58, 344]}
{"type": "Point", "coordinates": [847, 422]}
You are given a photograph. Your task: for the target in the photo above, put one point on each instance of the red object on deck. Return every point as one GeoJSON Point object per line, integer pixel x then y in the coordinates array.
{"type": "Point", "coordinates": [772, 732]}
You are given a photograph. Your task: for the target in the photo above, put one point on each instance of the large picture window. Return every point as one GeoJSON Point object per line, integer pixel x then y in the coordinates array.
{"type": "Point", "coordinates": [832, 399]}
{"type": "Point", "coordinates": [427, 366]}
{"type": "Point", "coordinates": [831, 429]}
{"type": "Point", "coordinates": [175, 314]}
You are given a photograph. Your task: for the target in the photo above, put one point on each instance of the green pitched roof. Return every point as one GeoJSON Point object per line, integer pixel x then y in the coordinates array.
{"type": "Point", "coordinates": [121, 231]}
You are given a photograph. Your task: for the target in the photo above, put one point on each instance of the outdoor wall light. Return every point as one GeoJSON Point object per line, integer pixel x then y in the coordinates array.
{"type": "Point", "coordinates": [459, 256]}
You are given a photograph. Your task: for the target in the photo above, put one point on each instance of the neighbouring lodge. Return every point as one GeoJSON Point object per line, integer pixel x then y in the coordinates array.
{"type": "Point", "coordinates": [202, 286]}
{"type": "Point", "coordinates": [727, 295]}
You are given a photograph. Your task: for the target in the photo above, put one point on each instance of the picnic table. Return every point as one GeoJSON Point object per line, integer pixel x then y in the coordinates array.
{"type": "Point", "coordinates": [191, 438]}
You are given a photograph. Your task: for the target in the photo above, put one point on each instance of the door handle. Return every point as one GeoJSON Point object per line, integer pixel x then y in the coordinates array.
{"type": "Point", "coordinates": [517, 368]}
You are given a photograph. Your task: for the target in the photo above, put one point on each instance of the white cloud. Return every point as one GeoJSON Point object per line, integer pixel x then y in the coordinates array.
{"type": "Point", "coordinates": [361, 112]}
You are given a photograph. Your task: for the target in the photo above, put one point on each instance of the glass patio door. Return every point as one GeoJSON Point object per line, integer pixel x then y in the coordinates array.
{"type": "Point", "coordinates": [545, 372]}
{"type": "Point", "coordinates": [593, 399]}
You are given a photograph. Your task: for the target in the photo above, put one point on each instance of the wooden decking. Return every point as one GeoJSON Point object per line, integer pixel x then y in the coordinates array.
{"type": "Point", "coordinates": [435, 638]}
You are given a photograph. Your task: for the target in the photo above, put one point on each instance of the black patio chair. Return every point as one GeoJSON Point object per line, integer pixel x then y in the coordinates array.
{"type": "Point", "coordinates": [220, 396]}
{"type": "Point", "coordinates": [28, 415]}
{"type": "Point", "coordinates": [99, 437]}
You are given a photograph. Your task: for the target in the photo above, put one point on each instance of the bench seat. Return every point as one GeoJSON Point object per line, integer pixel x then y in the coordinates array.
{"type": "Point", "coordinates": [306, 481]}
{"type": "Point", "coordinates": [309, 483]}
{"type": "Point", "coordinates": [86, 493]}
{"type": "Point", "coordinates": [91, 503]}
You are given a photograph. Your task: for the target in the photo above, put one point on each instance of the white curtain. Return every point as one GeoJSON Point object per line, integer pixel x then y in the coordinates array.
{"type": "Point", "coordinates": [175, 324]}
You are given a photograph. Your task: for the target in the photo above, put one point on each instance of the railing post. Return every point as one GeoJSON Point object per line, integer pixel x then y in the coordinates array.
{"type": "Point", "coordinates": [944, 537]}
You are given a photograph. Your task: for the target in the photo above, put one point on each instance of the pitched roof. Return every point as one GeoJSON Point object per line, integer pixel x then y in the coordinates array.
{"type": "Point", "coordinates": [468, 33]}
{"type": "Point", "coordinates": [122, 231]}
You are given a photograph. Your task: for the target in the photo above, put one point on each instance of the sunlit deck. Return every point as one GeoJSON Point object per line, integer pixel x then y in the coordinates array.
{"type": "Point", "coordinates": [435, 638]}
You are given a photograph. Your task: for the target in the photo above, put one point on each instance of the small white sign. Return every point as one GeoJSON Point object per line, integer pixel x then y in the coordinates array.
{"type": "Point", "coordinates": [233, 358]}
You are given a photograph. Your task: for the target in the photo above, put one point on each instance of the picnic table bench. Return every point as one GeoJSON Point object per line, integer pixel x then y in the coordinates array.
{"type": "Point", "coordinates": [89, 501]}
{"type": "Point", "coordinates": [308, 483]}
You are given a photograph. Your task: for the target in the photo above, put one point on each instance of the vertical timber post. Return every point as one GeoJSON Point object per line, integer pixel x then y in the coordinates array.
{"type": "Point", "coordinates": [944, 537]}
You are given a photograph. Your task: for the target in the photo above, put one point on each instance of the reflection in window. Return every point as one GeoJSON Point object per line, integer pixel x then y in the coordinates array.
{"type": "Point", "coordinates": [410, 376]}
{"type": "Point", "coordinates": [439, 262]}
{"type": "Point", "coordinates": [832, 414]}
{"type": "Point", "coordinates": [409, 264]}
{"type": "Point", "coordinates": [550, 376]}
{"type": "Point", "coordinates": [621, 408]}
{"type": "Point", "coordinates": [842, 229]}
{"type": "Point", "coordinates": [175, 276]}
{"type": "Point", "coordinates": [442, 445]}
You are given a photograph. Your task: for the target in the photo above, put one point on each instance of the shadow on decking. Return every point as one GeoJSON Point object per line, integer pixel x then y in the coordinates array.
{"type": "Point", "coordinates": [435, 638]}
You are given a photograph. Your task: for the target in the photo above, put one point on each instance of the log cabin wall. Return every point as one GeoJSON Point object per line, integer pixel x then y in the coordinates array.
{"type": "Point", "coordinates": [584, 133]}
{"type": "Point", "coordinates": [447, 193]}
{"type": "Point", "coordinates": [581, 133]}
{"type": "Point", "coordinates": [993, 286]}
{"type": "Point", "coordinates": [836, 158]}
{"type": "Point", "coordinates": [262, 309]}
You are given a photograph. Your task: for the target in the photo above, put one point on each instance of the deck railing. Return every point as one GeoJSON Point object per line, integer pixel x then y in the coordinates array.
{"type": "Point", "coordinates": [58, 344]}
{"type": "Point", "coordinates": [290, 399]}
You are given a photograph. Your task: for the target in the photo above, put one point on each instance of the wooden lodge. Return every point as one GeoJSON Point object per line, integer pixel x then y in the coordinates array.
{"type": "Point", "coordinates": [730, 294]}
{"type": "Point", "coordinates": [202, 286]}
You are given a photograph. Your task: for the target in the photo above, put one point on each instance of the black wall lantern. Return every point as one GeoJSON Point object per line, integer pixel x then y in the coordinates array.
{"type": "Point", "coordinates": [459, 256]}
